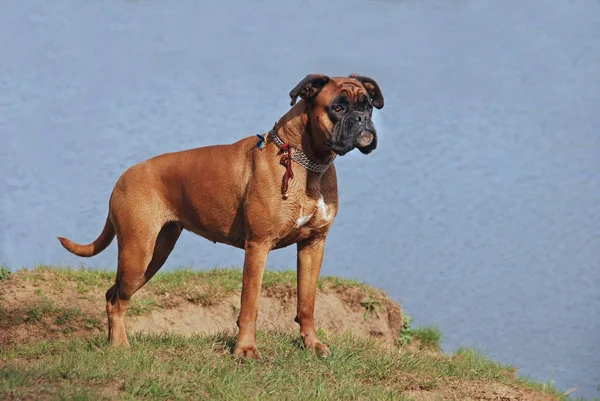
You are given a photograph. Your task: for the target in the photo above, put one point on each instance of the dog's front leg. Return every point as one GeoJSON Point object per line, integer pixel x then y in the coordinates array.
{"type": "Point", "coordinates": [310, 258]}
{"type": "Point", "coordinates": [254, 265]}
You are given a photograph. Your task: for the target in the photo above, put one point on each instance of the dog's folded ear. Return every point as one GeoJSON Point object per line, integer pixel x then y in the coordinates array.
{"type": "Point", "coordinates": [309, 87]}
{"type": "Point", "coordinates": [371, 87]}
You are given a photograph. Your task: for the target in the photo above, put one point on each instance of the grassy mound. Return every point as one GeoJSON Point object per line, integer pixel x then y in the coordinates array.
{"type": "Point", "coordinates": [55, 346]}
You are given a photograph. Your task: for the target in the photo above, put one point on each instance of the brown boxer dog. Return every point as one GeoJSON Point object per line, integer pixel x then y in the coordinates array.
{"type": "Point", "coordinates": [256, 195]}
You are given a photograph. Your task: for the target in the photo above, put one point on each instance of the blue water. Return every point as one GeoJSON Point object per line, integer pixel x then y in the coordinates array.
{"type": "Point", "coordinates": [479, 211]}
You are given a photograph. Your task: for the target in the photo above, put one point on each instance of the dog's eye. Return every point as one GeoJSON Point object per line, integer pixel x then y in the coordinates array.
{"type": "Point", "coordinates": [338, 108]}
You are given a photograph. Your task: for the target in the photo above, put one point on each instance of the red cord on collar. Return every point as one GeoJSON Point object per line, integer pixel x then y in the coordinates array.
{"type": "Point", "coordinates": [286, 160]}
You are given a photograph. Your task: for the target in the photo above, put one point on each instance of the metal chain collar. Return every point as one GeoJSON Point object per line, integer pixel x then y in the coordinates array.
{"type": "Point", "coordinates": [300, 157]}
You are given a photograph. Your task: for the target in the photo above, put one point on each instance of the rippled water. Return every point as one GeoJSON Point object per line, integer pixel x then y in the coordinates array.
{"type": "Point", "coordinates": [479, 211]}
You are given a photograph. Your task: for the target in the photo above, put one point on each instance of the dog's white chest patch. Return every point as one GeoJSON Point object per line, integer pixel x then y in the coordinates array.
{"type": "Point", "coordinates": [321, 216]}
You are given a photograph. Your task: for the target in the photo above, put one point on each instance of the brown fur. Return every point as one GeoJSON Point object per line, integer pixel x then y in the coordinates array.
{"type": "Point", "coordinates": [229, 194]}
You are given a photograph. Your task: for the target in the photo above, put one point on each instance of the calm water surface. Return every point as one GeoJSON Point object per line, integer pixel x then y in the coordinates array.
{"type": "Point", "coordinates": [479, 211]}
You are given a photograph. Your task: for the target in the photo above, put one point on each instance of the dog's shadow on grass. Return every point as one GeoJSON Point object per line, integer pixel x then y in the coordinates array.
{"type": "Point", "coordinates": [299, 343]}
{"type": "Point", "coordinates": [225, 340]}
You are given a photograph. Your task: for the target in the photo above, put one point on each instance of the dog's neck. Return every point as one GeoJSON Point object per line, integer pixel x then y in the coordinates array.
{"type": "Point", "coordinates": [294, 128]}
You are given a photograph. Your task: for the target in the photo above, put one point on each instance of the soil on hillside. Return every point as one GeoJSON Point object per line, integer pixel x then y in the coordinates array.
{"type": "Point", "coordinates": [51, 307]}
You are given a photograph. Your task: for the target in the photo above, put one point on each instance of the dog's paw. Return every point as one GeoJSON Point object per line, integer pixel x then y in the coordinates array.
{"type": "Point", "coordinates": [248, 352]}
{"type": "Point", "coordinates": [316, 347]}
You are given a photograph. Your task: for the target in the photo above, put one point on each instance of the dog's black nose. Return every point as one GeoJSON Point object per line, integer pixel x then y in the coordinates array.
{"type": "Point", "coordinates": [359, 118]}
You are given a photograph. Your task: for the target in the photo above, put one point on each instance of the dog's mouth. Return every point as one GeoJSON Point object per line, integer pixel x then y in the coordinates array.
{"type": "Point", "coordinates": [365, 142]}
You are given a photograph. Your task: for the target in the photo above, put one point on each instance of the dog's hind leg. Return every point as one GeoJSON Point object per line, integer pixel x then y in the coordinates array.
{"type": "Point", "coordinates": [140, 257]}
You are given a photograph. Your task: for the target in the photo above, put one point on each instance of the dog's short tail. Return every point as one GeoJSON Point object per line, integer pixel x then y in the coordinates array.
{"type": "Point", "coordinates": [100, 244]}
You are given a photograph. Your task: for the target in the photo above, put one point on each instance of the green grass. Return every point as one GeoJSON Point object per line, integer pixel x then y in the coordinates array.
{"type": "Point", "coordinates": [229, 278]}
{"type": "Point", "coordinates": [371, 306]}
{"type": "Point", "coordinates": [204, 287]}
{"type": "Point", "coordinates": [405, 336]}
{"type": "Point", "coordinates": [84, 275]}
{"type": "Point", "coordinates": [39, 308]}
{"type": "Point", "coordinates": [429, 336]}
{"type": "Point", "coordinates": [200, 367]}
{"type": "Point", "coordinates": [4, 272]}
{"type": "Point", "coordinates": [67, 315]}
{"type": "Point", "coordinates": [140, 306]}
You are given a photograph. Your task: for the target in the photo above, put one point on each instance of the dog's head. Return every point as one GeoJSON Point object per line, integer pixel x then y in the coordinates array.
{"type": "Point", "coordinates": [340, 110]}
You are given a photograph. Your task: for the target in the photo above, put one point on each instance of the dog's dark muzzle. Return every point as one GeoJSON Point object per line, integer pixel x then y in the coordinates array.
{"type": "Point", "coordinates": [357, 131]}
